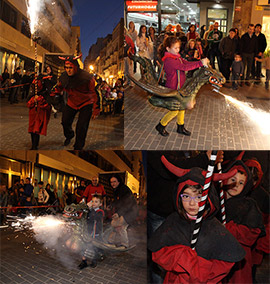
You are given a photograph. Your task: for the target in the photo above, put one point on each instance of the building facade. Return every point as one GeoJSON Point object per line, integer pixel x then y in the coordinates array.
{"type": "Point", "coordinates": [54, 32]}
{"type": "Point", "coordinates": [109, 62]}
{"type": "Point", "coordinates": [66, 169]}
{"type": "Point", "coordinates": [228, 13]}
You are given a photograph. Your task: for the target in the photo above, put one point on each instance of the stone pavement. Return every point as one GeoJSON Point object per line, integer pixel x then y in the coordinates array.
{"type": "Point", "coordinates": [214, 122]}
{"type": "Point", "coordinates": [23, 260]}
{"type": "Point", "coordinates": [106, 132]}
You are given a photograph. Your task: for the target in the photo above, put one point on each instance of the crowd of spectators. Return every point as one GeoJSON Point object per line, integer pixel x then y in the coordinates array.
{"type": "Point", "coordinates": [111, 96]}
{"type": "Point", "coordinates": [18, 85]}
{"type": "Point", "coordinates": [25, 197]}
{"type": "Point", "coordinates": [212, 43]}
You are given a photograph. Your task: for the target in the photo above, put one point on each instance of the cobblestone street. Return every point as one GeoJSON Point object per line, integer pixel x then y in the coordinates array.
{"type": "Point", "coordinates": [106, 132]}
{"type": "Point", "coordinates": [214, 122]}
{"type": "Point", "coordinates": [23, 260]}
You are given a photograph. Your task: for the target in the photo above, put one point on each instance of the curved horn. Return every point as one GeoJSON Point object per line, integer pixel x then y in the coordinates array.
{"type": "Point", "coordinates": [240, 156]}
{"type": "Point", "coordinates": [229, 174]}
{"type": "Point", "coordinates": [173, 169]}
{"type": "Point", "coordinates": [62, 58]}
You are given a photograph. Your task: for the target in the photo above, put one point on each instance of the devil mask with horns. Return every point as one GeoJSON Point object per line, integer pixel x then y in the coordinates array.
{"type": "Point", "coordinates": [76, 77]}
{"type": "Point", "coordinates": [192, 177]}
{"type": "Point", "coordinates": [214, 241]}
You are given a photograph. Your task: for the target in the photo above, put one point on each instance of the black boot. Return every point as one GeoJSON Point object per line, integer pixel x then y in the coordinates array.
{"type": "Point", "coordinates": [161, 130]}
{"type": "Point", "coordinates": [182, 130]}
{"type": "Point", "coordinates": [83, 264]}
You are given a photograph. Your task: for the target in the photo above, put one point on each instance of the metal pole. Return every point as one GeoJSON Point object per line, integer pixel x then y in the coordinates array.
{"type": "Point", "coordinates": [202, 203]}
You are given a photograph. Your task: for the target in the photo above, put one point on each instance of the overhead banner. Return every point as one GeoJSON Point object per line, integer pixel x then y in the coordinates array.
{"type": "Point", "coordinates": [142, 6]}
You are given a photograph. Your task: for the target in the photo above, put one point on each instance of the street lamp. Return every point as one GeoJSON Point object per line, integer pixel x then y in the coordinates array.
{"type": "Point", "coordinates": [91, 67]}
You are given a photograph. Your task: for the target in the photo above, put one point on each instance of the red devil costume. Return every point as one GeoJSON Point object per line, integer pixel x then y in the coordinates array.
{"type": "Point", "coordinates": [245, 222]}
{"type": "Point", "coordinates": [216, 249]}
{"type": "Point", "coordinates": [82, 98]}
{"type": "Point", "coordinates": [261, 196]}
{"type": "Point", "coordinates": [39, 112]}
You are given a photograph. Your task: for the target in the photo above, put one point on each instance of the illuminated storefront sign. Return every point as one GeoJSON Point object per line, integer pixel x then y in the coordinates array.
{"type": "Point", "coordinates": [137, 6]}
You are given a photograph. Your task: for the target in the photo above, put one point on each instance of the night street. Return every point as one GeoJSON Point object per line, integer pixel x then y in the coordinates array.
{"type": "Point", "coordinates": [106, 132]}
{"type": "Point", "coordinates": [214, 123]}
{"type": "Point", "coordinates": [23, 260]}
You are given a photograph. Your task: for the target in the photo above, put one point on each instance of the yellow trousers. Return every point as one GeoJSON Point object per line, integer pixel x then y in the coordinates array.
{"type": "Point", "coordinates": [171, 115]}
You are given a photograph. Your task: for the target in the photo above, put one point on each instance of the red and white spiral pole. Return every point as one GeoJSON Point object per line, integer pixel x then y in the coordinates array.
{"type": "Point", "coordinates": [222, 197]}
{"type": "Point", "coordinates": [207, 184]}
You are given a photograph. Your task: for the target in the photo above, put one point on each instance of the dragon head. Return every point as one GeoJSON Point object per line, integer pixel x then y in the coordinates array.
{"type": "Point", "coordinates": [210, 75]}
{"type": "Point", "coordinates": [75, 211]}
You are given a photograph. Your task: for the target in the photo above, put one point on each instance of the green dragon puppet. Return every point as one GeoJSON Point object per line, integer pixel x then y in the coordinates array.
{"type": "Point", "coordinates": [174, 99]}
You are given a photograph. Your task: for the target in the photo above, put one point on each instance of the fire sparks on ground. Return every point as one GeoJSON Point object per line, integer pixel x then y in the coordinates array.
{"type": "Point", "coordinates": [258, 116]}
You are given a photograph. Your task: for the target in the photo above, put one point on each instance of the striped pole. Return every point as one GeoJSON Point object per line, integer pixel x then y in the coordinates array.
{"type": "Point", "coordinates": [202, 203]}
{"type": "Point", "coordinates": [222, 199]}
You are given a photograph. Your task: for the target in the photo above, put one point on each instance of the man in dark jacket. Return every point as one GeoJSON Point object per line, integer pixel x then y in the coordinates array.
{"type": "Point", "coordinates": [249, 48]}
{"type": "Point", "coordinates": [82, 98]}
{"type": "Point", "coordinates": [228, 47]}
{"type": "Point", "coordinates": [213, 39]}
{"type": "Point", "coordinates": [15, 81]}
{"type": "Point", "coordinates": [261, 41]}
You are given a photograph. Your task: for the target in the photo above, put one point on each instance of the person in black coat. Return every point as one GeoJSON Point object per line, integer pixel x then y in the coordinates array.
{"type": "Point", "coordinates": [248, 48]}
{"type": "Point", "coordinates": [228, 47]}
{"type": "Point", "coordinates": [15, 81]}
{"type": "Point", "coordinates": [125, 211]}
{"type": "Point", "coordinates": [261, 42]}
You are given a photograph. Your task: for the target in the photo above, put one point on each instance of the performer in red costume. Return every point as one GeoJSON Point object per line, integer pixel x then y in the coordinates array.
{"type": "Point", "coordinates": [244, 219]}
{"type": "Point", "coordinates": [216, 249]}
{"type": "Point", "coordinates": [82, 98]}
{"type": "Point", "coordinates": [39, 110]}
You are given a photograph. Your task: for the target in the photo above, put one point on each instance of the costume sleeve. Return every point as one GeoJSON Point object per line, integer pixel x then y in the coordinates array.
{"type": "Point", "coordinates": [184, 65]}
{"type": "Point", "coordinates": [31, 102]}
{"type": "Point", "coordinates": [42, 103]}
{"type": "Point", "coordinates": [244, 235]}
{"type": "Point", "coordinates": [85, 193]}
{"type": "Point", "coordinates": [184, 260]}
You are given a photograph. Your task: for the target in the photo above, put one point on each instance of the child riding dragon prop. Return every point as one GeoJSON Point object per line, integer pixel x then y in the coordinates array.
{"type": "Point", "coordinates": [81, 238]}
{"type": "Point", "coordinates": [174, 99]}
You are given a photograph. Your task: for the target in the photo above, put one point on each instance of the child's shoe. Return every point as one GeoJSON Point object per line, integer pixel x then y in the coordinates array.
{"type": "Point", "coordinates": [83, 264]}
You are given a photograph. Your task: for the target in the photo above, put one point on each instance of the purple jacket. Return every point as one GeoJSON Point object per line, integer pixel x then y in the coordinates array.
{"type": "Point", "coordinates": [172, 63]}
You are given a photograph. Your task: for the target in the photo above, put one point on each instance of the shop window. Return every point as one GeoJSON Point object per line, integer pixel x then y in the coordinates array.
{"type": "Point", "coordinates": [4, 178]}
{"type": "Point", "coordinates": [14, 179]}
{"type": "Point", "coordinates": [45, 177]}
{"type": "Point", "coordinates": [38, 174]}
{"type": "Point", "coordinates": [220, 16]}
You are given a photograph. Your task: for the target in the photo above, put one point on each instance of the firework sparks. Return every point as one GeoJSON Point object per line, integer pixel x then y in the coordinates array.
{"type": "Point", "coordinates": [34, 7]}
{"type": "Point", "coordinates": [258, 116]}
